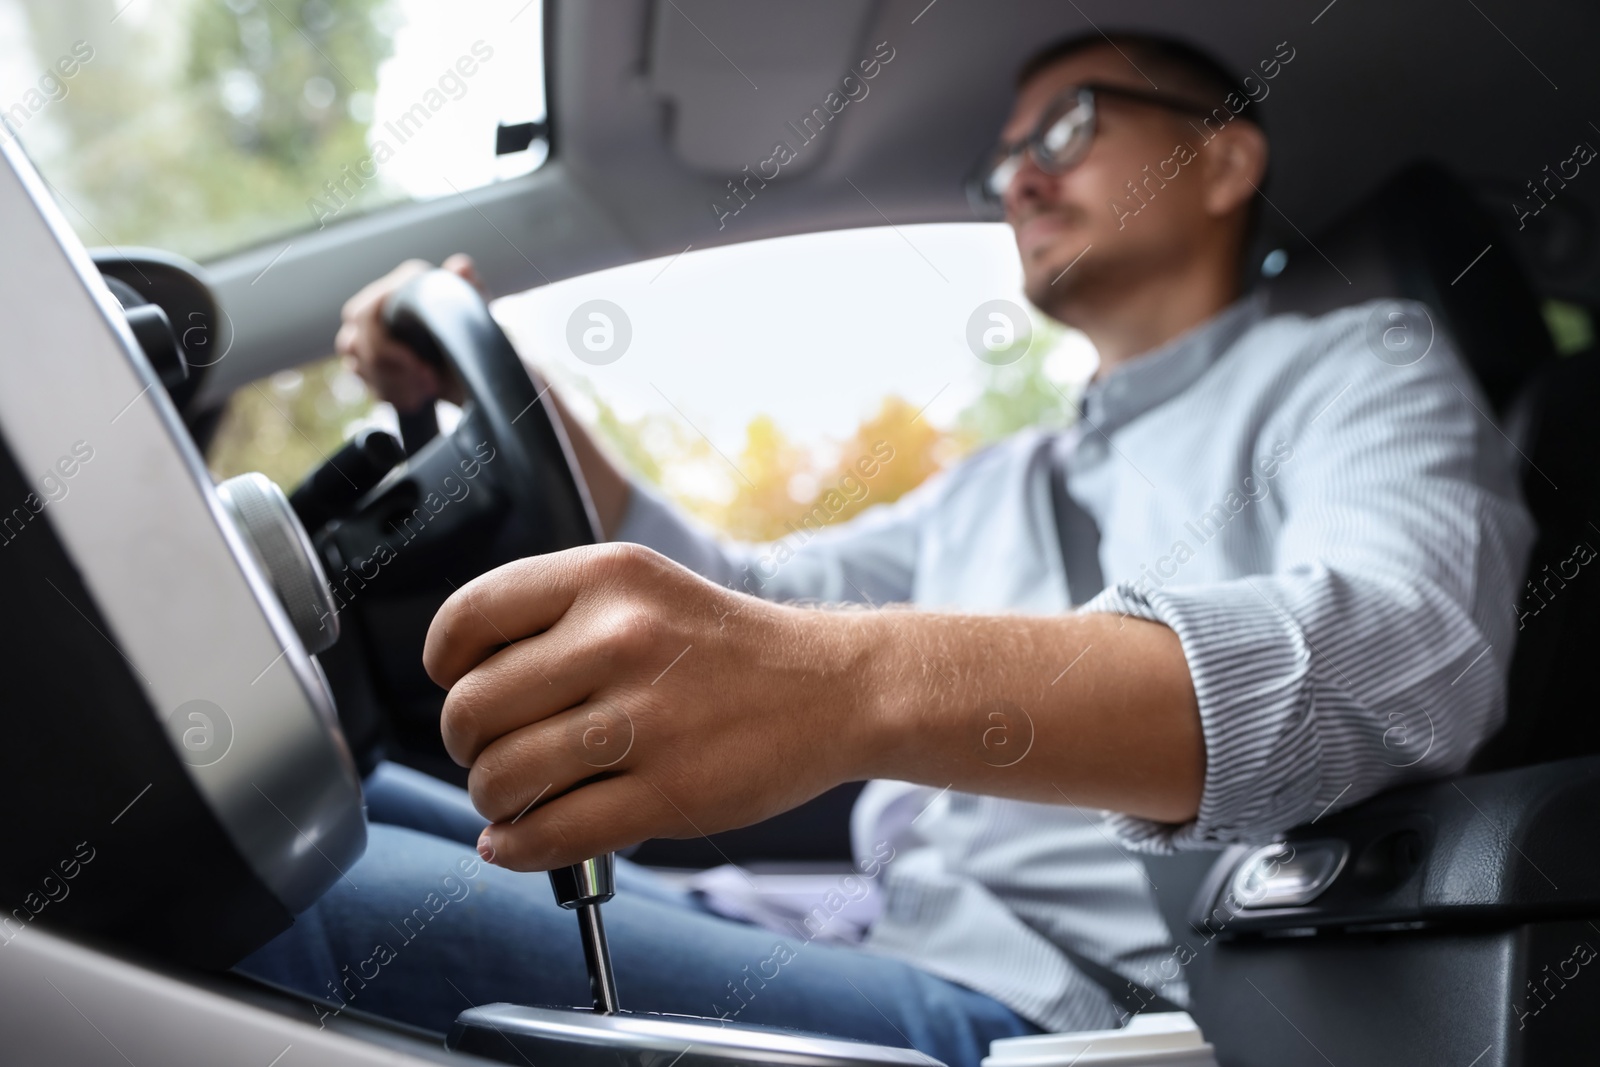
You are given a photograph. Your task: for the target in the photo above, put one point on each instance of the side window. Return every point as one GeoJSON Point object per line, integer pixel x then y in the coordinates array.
{"type": "Point", "coordinates": [761, 386]}
{"type": "Point", "coordinates": [288, 423]}
{"type": "Point", "coordinates": [805, 378]}
{"type": "Point", "coordinates": [207, 127]}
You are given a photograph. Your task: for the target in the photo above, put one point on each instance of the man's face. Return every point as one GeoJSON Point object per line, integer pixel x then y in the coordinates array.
{"type": "Point", "coordinates": [1057, 218]}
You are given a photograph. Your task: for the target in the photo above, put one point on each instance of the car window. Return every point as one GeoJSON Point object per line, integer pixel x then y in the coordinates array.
{"type": "Point", "coordinates": [756, 383]}
{"type": "Point", "coordinates": [753, 383]}
{"type": "Point", "coordinates": [204, 126]}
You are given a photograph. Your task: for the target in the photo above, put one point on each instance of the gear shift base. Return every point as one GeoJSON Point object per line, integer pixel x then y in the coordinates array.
{"type": "Point", "coordinates": [512, 1033]}
{"type": "Point", "coordinates": [609, 1037]}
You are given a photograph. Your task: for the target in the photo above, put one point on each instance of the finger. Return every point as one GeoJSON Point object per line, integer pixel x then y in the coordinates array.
{"type": "Point", "coordinates": [603, 816]}
{"type": "Point", "coordinates": [361, 342]}
{"type": "Point", "coordinates": [394, 373]}
{"type": "Point", "coordinates": [344, 342]}
{"type": "Point", "coordinates": [380, 376]}
{"type": "Point", "coordinates": [545, 760]}
{"type": "Point", "coordinates": [375, 292]}
{"type": "Point", "coordinates": [507, 604]}
{"type": "Point", "coordinates": [461, 264]}
{"type": "Point", "coordinates": [522, 683]}
{"type": "Point", "coordinates": [400, 377]}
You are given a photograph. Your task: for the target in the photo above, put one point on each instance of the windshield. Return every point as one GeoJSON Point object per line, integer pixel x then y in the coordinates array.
{"type": "Point", "coordinates": [204, 126]}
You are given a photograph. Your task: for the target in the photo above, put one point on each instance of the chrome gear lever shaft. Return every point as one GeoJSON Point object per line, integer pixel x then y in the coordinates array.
{"type": "Point", "coordinates": [583, 887]}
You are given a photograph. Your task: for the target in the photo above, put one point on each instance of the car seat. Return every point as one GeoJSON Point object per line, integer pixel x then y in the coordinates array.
{"type": "Point", "coordinates": [1443, 922]}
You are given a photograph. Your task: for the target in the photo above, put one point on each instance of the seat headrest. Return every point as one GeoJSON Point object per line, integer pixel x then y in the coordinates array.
{"type": "Point", "coordinates": [1422, 235]}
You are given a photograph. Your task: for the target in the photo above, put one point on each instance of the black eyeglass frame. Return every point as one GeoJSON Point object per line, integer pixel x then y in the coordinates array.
{"type": "Point", "coordinates": [986, 203]}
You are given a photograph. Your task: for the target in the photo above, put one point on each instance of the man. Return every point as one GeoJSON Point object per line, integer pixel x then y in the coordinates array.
{"type": "Point", "coordinates": [1293, 561]}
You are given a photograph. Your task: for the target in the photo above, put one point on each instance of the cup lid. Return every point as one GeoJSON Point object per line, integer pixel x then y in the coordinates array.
{"type": "Point", "coordinates": [1162, 1037]}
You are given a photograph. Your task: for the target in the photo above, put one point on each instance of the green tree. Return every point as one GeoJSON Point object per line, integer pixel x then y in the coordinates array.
{"type": "Point", "coordinates": [1020, 394]}
{"type": "Point", "coordinates": [205, 126]}
{"type": "Point", "coordinates": [285, 425]}
{"type": "Point", "coordinates": [779, 481]}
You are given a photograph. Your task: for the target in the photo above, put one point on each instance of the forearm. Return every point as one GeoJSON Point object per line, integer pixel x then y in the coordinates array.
{"type": "Point", "coordinates": [733, 709]}
{"type": "Point", "coordinates": [1088, 709]}
{"type": "Point", "coordinates": [609, 488]}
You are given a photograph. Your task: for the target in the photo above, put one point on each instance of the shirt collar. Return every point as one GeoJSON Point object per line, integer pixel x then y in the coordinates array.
{"type": "Point", "coordinates": [1149, 380]}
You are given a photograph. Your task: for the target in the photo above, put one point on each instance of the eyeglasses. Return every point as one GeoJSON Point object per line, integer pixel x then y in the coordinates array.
{"type": "Point", "coordinates": [1060, 139]}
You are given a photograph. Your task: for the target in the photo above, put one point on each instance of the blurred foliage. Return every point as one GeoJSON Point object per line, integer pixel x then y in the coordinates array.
{"type": "Point", "coordinates": [778, 481]}
{"type": "Point", "coordinates": [1570, 325]}
{"type": "Point", "coordinates": [787, 481]}
{"type": "Point", "coordinates": [1020, 394]}
{"type": "Point", "coordinates": [285, 425]}
{"type": "Point", "coordinates": [202, 125]}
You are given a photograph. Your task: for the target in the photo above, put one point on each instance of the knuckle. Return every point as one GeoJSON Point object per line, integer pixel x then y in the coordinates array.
{"type": "Point", "coordinates": [492, 787]}
{"type": "Point", "coordinates": [462, 721]}
{"type": "Point", "coordinates": [626, 633]}
{"type": "Point", "coordinates": [389, 358]}
{"type": "Point", "coordinates": [557, 842]}
{"type": "Point", "coordinates": [603, 737]}
{"type": "Point", "coordinates": [624, 560]}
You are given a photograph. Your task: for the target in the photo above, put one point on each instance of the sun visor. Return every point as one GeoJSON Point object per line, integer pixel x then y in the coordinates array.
{"type": "Point", "coordinates": [737, 87]}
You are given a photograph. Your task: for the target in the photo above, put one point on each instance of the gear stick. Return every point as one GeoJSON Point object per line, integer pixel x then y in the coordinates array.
{"type": "Point", "coordinates": [583, 887]}
{"type": "Point", "coordinates": [609, 1037]}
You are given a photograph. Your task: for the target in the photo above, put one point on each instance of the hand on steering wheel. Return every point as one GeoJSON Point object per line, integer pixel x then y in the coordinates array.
{"type": "Point", "coordinates": [502, 485]}
{"type": "Point", "coordinates": [393, 372]}
{"type": "Point", "coordinates": [399, 375]}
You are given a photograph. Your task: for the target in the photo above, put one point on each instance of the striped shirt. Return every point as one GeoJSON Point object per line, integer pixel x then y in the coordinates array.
{"type": "Point", "coordinates": [1337, 541]}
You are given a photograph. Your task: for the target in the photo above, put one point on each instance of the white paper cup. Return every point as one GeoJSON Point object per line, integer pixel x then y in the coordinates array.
{"type": "Point", "coordinates": [1166, 1039]}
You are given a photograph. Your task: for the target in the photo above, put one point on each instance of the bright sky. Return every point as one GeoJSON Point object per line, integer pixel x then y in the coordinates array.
{"type": "Point", "coordinates": [813, 331]}
{"type": "Point", "coordinates": [454, 149]}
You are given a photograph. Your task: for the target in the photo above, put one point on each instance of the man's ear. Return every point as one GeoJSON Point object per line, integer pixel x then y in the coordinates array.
{"type": "Point", "coordinates": [1234, 165]}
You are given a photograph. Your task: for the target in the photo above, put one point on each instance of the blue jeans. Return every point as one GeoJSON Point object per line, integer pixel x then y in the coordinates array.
{"type": "Point", "coordinates": [419, 929]}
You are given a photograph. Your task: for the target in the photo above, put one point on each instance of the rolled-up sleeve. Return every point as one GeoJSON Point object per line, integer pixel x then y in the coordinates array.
{"type": "Point", "coordinates": [1375, 650]}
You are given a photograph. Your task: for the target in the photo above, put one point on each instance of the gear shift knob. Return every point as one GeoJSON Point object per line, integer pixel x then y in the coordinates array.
{"type": "Point", "coordinates": [590, 882]}
{"type": "Point", "coordinates": [583, 887]}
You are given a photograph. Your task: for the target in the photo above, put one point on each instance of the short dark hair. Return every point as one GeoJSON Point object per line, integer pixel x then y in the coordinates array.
{"type": "Point", "coordinates": [1198, 76]}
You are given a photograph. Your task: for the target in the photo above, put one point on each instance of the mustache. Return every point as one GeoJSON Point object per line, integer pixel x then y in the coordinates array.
{"type": "Point", "coordinates": [1069, 213]}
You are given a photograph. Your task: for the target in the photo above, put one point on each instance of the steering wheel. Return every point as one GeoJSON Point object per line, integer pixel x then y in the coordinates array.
{"type": "Point", "coordinates": [502, 485]}
{"type": "Point", "coordinates": [442, 318]}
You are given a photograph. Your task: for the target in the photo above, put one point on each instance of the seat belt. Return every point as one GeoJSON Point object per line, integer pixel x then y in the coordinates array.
{"type": "Point", "coordinates": [1132, 997]}
{"type": "Point", "coordinates": [1080, 558]}
{"type": "Point", "coordinates": [1078, 534]}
